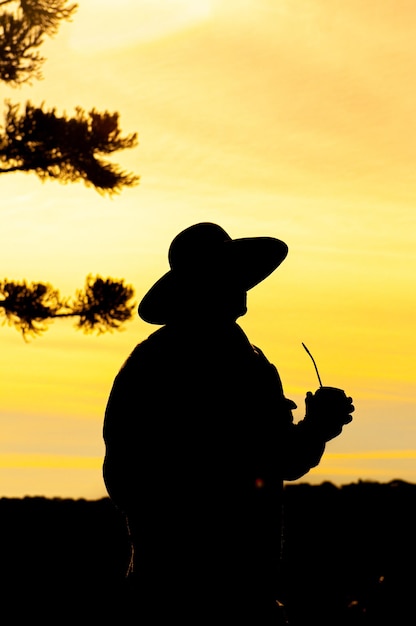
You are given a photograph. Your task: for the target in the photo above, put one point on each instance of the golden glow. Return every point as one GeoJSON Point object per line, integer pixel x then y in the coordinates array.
{"type": "Point", "coordinates": [268, 118]}
{"type": "Point", "coordinates": [133, 23]}
{"type": "Point", "coordinates": [49, 461]}
{"type": "Point", "coordinates": [55, 461]}
{"type": "Point", "coordinates": [374, 455]}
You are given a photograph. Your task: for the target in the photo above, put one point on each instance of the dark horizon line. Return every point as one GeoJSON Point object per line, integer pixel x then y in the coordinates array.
{"type": "Point", "coordinates": [325, 483]}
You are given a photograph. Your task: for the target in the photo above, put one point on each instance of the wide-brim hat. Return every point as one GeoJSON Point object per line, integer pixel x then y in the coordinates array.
{"type": "Point", "coordinates": [205, 252]}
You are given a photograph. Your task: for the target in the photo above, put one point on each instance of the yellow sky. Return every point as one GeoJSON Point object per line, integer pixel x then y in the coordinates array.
{"type": "Point", "coordinates": [288, 119]}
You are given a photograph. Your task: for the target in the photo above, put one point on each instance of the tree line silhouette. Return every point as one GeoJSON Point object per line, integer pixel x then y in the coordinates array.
{"type": "Point", "coordinates": [348, 556]}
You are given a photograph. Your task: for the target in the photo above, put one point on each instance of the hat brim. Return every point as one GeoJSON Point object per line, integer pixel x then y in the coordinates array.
{"type": "Point", "coordinates": [253, 260]}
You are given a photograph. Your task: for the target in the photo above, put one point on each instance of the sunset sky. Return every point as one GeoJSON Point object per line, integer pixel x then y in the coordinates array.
{"type": "Point", "coordinates": [292, 119]}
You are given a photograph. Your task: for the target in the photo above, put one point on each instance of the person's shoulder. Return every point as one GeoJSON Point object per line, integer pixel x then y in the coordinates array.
{"type": "Point", "coordinates": [262, 362]}
{"type": "Point", "coordinates": [151, 345]}
{"type": "Point", "coordinates": [259, 353]}
{"type": "Point", "coordinates": [145, 361]}
{"type": "Point", "coordinates": [253, 349]}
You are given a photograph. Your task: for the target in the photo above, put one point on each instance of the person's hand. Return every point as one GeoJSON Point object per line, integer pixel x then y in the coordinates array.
{"type": "Point", "coordinates": [328, 410]}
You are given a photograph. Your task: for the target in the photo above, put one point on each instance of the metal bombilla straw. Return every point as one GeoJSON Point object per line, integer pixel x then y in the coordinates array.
{"type": "Point", "coordinates": [313, 361]}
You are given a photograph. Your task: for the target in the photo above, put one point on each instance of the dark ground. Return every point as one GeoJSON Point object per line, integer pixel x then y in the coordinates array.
{"type": "Point", "coordinates": [349, 557]}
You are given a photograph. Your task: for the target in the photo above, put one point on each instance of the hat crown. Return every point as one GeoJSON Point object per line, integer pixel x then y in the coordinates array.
{"type": "Point", "coordinates": [196, 245]}
{"type": "Point", "coordinates": [205, 256]}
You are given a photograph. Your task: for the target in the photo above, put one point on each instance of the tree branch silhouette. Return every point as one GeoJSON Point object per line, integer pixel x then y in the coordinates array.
{"type": "Point", "coordinates": [103, 305]}
{"type": "Point", "coordinates": [23, 27]}
{"type": "Point", "coordinates": [65, 149]}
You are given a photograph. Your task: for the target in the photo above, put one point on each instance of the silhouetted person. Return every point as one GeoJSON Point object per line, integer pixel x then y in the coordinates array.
{"type": "Point", "coordinates": [200, 437]}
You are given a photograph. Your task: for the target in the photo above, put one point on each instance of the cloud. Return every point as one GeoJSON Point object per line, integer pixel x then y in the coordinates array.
{"type": "Point", "coordinates": [133, 22]}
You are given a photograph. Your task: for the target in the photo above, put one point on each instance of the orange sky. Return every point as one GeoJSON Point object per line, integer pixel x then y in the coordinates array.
{"type": "Point", "coordinates": [293, 120]}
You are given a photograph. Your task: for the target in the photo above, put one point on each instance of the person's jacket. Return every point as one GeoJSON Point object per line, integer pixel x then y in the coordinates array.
{"type": "Point", "coordinates": [194, 411]}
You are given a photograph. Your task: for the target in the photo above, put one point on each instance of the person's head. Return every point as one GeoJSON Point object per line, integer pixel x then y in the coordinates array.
{"type": "Point", "coordinates": [210, 275]}
{"type": "Point", "coordinates": [208, 300]}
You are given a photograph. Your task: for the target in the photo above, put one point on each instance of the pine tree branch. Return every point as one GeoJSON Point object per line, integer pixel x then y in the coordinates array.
{"type": "Point", "coordinates": [65, 149]}
{"type": "Point", "coordinates": [23, 27]}
{"type": "Point", "coordinates": [103, 305]}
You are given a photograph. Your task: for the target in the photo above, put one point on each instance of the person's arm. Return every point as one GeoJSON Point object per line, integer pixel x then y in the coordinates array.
{"type": "Point", "coordinates": [327, 412]}
{"type": "Point", "coordinates": [300, 446]}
